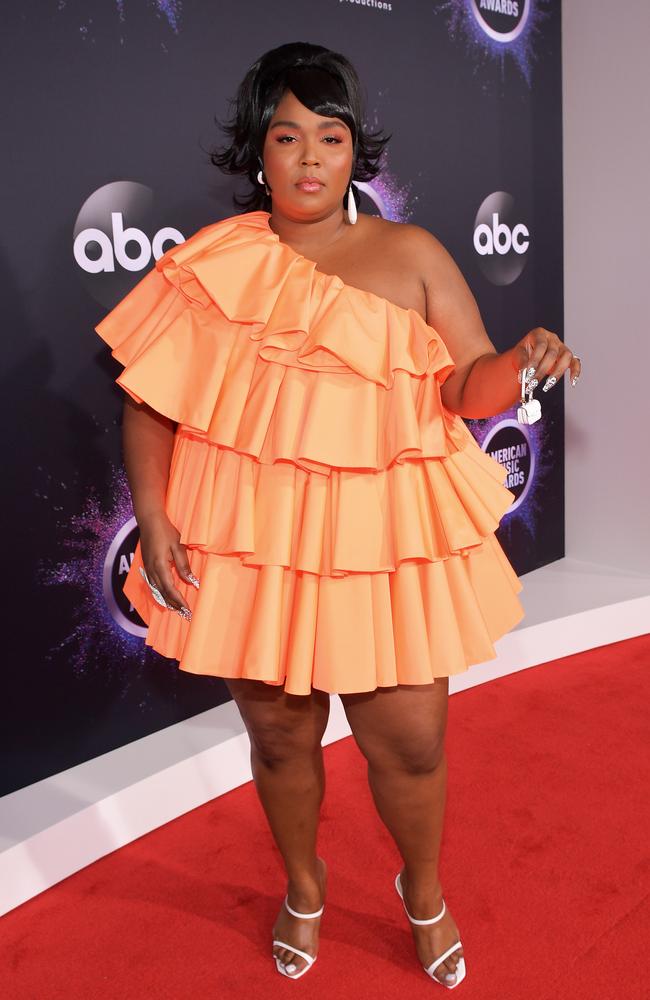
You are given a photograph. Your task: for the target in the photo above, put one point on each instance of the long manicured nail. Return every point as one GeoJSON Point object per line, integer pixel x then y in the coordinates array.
{"type": "Point", "coordinates": [193, 580]}
{"type": "Point", "coordinates": [155, 593]}
{"type": "Point", "coordinates": [574, 379]}
{"type": "Point", "coordinates": [550, 382]}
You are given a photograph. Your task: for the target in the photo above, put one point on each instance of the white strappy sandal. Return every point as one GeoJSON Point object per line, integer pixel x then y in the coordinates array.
{"type": "Point", "coordinates": [430, 969]}
{"type": "Point", "coordinates": [310, 959]}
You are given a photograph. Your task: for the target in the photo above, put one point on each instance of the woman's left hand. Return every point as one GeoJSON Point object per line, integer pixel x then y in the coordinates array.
{"type": "Point", "coordinates": [548, 355]}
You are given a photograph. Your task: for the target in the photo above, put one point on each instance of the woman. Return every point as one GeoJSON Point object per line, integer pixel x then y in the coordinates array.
{"type": "Point", "coordinates": [309, 500]}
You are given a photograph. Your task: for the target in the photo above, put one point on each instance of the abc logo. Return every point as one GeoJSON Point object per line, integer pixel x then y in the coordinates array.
{"type": "Point", "coordinates": [501, 20]}
{"type": "Point", "coordinates": [509, 444]}
{"type": "Point", "coordinates": [113, 247]}
{"type": "Point", "coordinates": [500, 240]}
{"type": "Point", "coordinates": [118, 232]}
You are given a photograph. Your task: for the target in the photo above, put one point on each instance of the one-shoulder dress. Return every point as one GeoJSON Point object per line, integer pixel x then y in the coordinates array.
{"type": "Point", "coordinates": [339, 518]}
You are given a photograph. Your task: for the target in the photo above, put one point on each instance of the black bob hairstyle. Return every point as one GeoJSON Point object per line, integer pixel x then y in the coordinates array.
{"type": "Point", "coordinates": [325, 82]}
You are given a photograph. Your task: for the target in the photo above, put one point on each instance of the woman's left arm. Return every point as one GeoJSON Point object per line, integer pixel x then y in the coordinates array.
{"type": "Point", "coordinates": [484, 382]}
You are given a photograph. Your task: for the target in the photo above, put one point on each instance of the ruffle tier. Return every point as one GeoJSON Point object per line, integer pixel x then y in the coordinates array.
{"type": "Point", "coordinates": [341, 635]}
{"type": "Point", "coordinates": [334, 523]}
{"type": "Point", "coordinates": [298, 367]}
{"type": "Point", "coordinates": [315, 470]}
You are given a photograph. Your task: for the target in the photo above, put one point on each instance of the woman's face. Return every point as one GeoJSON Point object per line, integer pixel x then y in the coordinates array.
{"type": "Point", "coordinates": [300, 143]}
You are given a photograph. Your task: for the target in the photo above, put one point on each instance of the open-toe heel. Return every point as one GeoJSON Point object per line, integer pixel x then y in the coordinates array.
{"type": "Point", "coordinates": [310, 959]}
{"type": "Point", "coordinates": [430, 969]}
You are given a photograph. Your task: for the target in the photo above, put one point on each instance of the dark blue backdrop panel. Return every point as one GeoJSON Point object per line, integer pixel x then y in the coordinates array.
{"type": "Point", "coordinates": [114, 105]}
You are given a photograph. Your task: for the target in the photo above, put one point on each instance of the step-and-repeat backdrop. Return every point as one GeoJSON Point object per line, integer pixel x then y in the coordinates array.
{"type": "Point", "coordinates": [113, 110]}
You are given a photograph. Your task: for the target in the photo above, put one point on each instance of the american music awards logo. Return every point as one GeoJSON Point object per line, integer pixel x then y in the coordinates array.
{"type": "Point", "coordinates": [502, 20]}
{"type": "Point", "coordinates": [117, 563]}
{"type": "Point", "coordinates": [528, 456]}
{"type": "Point", "coordinates": [510, 443]}
{"type": "Point", "coordinates": [494, 30]}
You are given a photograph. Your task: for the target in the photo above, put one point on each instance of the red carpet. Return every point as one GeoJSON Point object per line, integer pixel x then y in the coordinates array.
{"type": "Point", "coordinates": [545, 865]}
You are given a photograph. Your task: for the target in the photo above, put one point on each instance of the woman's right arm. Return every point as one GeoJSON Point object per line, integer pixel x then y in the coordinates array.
{"type": "Point", "coordinates": [148, 441]}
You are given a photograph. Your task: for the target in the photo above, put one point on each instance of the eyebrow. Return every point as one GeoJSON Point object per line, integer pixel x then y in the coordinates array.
{"type": "Point", "coordinates": [330, 124]}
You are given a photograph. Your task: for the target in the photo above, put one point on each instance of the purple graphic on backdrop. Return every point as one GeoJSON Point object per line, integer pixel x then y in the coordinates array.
{"type": "Point", "coordinates": [497, 29]}
{"type": "Point", "coordinates": [86, 542]}
{"type": "Point", "coordinates": [389, 198]}
{"type": "Point", "coordinates": [168, 10]}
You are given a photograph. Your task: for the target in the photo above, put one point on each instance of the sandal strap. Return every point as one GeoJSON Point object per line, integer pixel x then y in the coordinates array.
{"type": "Point", "coordinates": [430, 969]}
{"type": "Point", "coordinates": [310, 959]}
{"type": "Point", "coordinates": [304, 916]}
{"type": "Point", "coordinates": [431, 920]}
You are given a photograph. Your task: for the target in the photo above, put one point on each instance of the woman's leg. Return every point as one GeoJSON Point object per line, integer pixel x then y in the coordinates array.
{"type": "Point", "coordinates": [285, 733]}
{"type": "Point", "coordinates": [401, 732]}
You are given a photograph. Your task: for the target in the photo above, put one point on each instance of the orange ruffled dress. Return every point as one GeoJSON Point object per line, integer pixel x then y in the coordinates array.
{"type": "Point", "coordinates": [339, 518]}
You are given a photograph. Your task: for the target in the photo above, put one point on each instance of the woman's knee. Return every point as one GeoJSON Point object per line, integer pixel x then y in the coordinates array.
{"type": "Point", "coordinates": [402, 727]}
{"type": "Point", "coordinates": [281, 727]}
{"type": "Point", "coordinates": [413, 754]}
{"type": "Point", "coordinates": [274, 743]}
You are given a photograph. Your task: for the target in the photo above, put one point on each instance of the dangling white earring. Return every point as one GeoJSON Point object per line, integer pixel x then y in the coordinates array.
{"type": "Point", "coordinates": [260, 177]}
{"type": "Point", "coordinates": [352, 206]}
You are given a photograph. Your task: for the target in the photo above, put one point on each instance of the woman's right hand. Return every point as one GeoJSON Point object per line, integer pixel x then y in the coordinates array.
{"type": "Point", "coordinates": [161, 550]}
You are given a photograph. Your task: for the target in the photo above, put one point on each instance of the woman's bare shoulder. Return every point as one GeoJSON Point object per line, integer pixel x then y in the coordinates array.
{"type": "Point", "coordinates": [382, 259]}
{"type": "Point", "coordinates": [408, 241]}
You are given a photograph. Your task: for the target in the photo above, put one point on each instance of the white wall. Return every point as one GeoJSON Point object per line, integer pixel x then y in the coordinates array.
{"type": "Point", "coordinates": [606, 84]}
